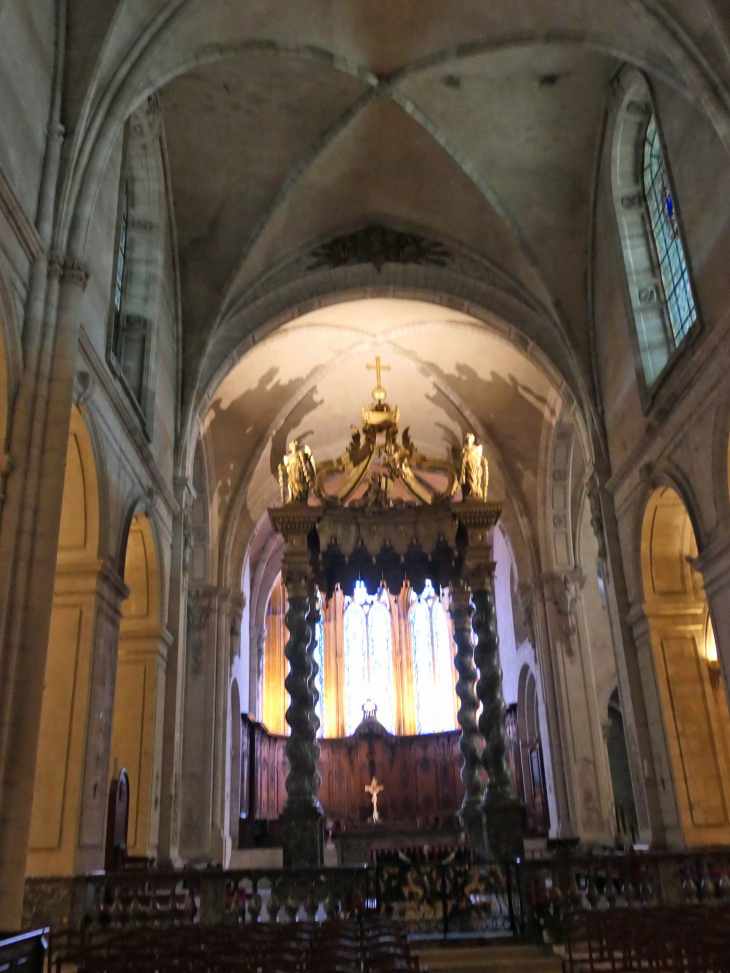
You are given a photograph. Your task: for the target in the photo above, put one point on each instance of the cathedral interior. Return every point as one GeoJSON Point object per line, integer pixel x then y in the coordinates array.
{"type": "Point", "coordinates": [364, 461]}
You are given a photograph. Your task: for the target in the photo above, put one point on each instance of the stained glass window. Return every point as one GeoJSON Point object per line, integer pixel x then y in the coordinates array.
{"type": "Point", "coordinates": [665, 231]}
{"type": "Point", "coordinates": [121, 254]}
{"type": "Point", "coordinates": [432, 663]}
{"type": "Point", "coordinates": [368, 657]}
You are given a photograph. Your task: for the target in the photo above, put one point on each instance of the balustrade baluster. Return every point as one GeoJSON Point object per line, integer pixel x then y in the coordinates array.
{"type": "Point", "coordinates": [255, 905]}
{"type": "Point", "coordinates": [274, 905]}
{"type": "Point", "coordinates": [135, 912]}
{"type": "Point", "coordinates": [611, 893]}
{"type": "Point", "coordinates": [311, 904]}
{"type": "Point", "coordinates": [592, 891]}
{"type": "Point", "coordinates": [629, 889]}
{"type": "Point", "coordinates": [723, 883]}
{"type": "Point", "coordinates": [689, 889]}
{"type": "Point", "coordinates": [291, 906]}
{"type": "Point", "coordinates": [116, 910]}
{"type": "Point", "coordinates": [330, 904]}
{"type": "Point", "coordinates": [646, 886]}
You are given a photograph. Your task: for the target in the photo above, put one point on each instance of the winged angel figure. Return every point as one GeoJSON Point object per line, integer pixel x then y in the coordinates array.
{"type": "Point", "coordinates": [297, 474]}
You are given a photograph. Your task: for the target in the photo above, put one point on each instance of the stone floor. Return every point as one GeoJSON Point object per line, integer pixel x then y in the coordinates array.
{"type": "Point", "coordinates": [488, 958]}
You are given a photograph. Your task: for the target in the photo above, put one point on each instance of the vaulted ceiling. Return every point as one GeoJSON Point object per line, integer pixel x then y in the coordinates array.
{"type": "Point", "coordinates": [477, 124]}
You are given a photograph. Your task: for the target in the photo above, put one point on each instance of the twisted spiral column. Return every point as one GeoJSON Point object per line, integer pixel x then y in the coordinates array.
{"type": "Point", "coordinates": [301, 784]}
{"type": "Point", "coordinates": [461, 611]}
{"type": "Point", "coordinates": [314, 618]}
{"type": "Point", "coordinates": [489, 694]}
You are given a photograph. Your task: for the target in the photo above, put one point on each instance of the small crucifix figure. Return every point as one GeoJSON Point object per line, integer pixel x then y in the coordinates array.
{"type": "Point", "coordinates": [378, 391]}
{"type": "Point", "coordinates": [373, 789]}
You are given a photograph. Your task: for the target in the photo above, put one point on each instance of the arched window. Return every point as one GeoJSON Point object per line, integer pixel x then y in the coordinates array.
{"type": "Point", "coordinates": [662, 300]}
{"type": "Point", "coordinates": [432, 666]}
{"type": "Point", "coordinates": [368, 657]}
{"type": "Point", "coordinates": [142, 258]}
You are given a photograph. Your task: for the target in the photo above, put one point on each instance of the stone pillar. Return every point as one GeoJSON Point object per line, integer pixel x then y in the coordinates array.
{"type": "Point", "coordinates": [302, 814]}
{"type": "Point", "coordinates": [314, 618]}
{"type": "Point", "coordinates": [556, 757]}
{"type": "Point", "coordinates": [33, 507]}
{"type": "Point", "coordinates": [714, 564]}
{"type": "Point", "coordinates": [200, 725]}
{"type": "Point", "coordinates": [661, 763]}
{"type": "Point", "coordinates": [70, 799]}
{"type": "Point", "coordinates": [503, 813]}
{"type": "Point", "coordinates": [470, 812]}
{"type": "Point", "coordinates": [171, 765]}
{"type": "Point", "coordinates": [139, 708]}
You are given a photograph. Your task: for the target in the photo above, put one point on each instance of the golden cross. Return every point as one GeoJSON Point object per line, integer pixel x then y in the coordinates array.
{"type": "Point", "coordinates": [378, 368]}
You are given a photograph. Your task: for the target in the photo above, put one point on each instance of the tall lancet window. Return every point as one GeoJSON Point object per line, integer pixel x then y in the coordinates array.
{"type": "Point", "coordinates": [665, 231]}
{"type": "Point", "coordinates": [655, 258]}
{"type": "Point", "coordinates": [368, 646]}
{"type": "Point", "coordinates": [432, 666]}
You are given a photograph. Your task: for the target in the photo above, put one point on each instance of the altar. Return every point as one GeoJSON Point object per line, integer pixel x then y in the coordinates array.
{"type": "Point", "coordinates": [418, 805]}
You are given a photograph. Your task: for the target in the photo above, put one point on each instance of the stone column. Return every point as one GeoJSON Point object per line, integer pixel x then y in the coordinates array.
{"type": "Point", "coordinates": [313, 618]}
{"type": "Point", "coordinates": [33, 508]}
{"type": "Point", "coordinates": [714, 564]}
{"type": "Point", "coordinates": [198, 792]}
{"type": "Point", "coordinates": [503, 813]}
{"type": "Point", "coordinates": [555, 755]}
{"type": "Point", "coordinates": [171, 767]}
{"type": "Point", "coordinates": [303, 816]}
{"type": "Point", "coordinates": [644, 778]}
{"type": "Point", "coordinates": [470, 812]}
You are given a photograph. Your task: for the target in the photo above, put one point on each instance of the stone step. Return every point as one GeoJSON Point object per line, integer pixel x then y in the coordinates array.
{"type": "Point", "coordinates": [488, 958]}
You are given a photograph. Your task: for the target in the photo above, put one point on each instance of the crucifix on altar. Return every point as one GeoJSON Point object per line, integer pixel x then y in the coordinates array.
{"type": "Point", "coordinates": [373, 789]}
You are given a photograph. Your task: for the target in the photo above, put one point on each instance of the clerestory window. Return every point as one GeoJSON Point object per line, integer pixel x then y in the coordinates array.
{"type": "Point", "coordinates": [680, 305]}
{"type": "Point", "coordinates": [657, 269]}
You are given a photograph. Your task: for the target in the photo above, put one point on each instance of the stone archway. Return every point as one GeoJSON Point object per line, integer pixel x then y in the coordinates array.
{"type": "Point", "coordinates": [694, 711]}
{"type": "Point", "coordinates": [69, 804]}
{"type": "Point", "coordinates": [139, 699]}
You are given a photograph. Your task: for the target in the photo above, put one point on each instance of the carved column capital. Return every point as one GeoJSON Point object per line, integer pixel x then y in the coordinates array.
{"type": "Point", "coordinates": [295, 522]}
{"type": "Point", "coordinates": [75, 272]}
{"type": "Point", "coordinates": [563, 589]}
{"type": "Point", "coordinates": [202, 602]}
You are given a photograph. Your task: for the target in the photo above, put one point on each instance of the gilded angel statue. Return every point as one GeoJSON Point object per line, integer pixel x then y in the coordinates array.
{"type": "Point", "coordinates": [474, 476]}
{"type": "Point", "coordinates": [296, 474]}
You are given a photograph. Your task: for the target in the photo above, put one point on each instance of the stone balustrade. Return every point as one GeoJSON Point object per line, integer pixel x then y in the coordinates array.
{"type": "Point", "coordinates": [533, 896]}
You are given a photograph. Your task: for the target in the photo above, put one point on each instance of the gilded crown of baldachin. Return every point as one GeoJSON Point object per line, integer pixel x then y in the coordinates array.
{"type": "Point", "coordinates": [375, 440]}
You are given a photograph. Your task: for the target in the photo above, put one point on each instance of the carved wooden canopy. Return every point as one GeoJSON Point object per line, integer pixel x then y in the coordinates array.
{"type": "Point", "coordinates": [335, 545]}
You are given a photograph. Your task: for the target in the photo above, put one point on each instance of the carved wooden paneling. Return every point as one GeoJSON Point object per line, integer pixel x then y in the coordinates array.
{"type": "Point", "coordinates": [420, 776]}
